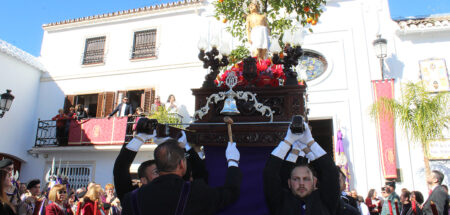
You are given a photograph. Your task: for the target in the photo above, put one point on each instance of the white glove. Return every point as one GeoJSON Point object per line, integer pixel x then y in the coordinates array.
{"type": "Point", "coordinates": [138, 140]}
{"type": "Point", "coordinates": [317, 150]}
{"type": "Point", "coordinates": [292, 157]}
{"type": "Point", "coordinates": [306, 136]}
{"type": "Point", "coordinates": [159, 140]}
{"type": "Point", "coordinates": [291, 137]}
{"type": "Point", "coordinates": [184, 141]}
{"type": "Point", "coordinates": [232, 154]}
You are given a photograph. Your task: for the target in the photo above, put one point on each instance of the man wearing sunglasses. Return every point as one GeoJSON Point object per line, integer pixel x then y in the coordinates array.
{"type": "Point", "coordinates": [123, 109]}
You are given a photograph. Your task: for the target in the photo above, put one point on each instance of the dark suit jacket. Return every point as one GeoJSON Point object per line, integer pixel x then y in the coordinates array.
{"type": "Point", "coordinates": [5, 209]}
{"type": "Point", "coordinates": [122, 178]}
{"type": "Point", "coordinates": [121, 172]}
{"type": "Point", "coordinates": [160, 197]}
{"type": "Point", "coordinates": [128, 109]}
{"type": "Point", "coordinates": [281, 201]}
{"type": "Point", "coordinates": [347, 209]}
{"type": "Point", "coordinates": [440, 198]}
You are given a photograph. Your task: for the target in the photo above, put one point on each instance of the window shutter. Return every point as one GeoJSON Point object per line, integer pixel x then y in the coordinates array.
{"type": "Point", "coordinates": [68, 102]}
{"type": "Point", "coordinates": [109, 102]}
{"type": "Point", "coordinates": [149, 99]}
{"type": "Point", "coordinates": [100, 106]}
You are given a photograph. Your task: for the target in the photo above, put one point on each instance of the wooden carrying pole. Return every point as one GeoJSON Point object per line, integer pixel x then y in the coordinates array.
{"type": "Point", "coordinates": [229, 121]}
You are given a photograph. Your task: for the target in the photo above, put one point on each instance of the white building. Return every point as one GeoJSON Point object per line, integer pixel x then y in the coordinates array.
{"type": "Point", "coordinates": [96, 60]}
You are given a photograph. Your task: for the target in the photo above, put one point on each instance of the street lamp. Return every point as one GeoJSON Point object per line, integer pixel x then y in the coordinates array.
{"type": "Point", "coordinates": [5, 102]}
{"type": "Point", "coordinates": [380, 45]}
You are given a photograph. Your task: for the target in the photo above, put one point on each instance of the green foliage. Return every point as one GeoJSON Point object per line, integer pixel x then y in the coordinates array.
{"type": "Point", "coordinates": [276, 11]}
{"type": "Point", "coordinates": [238, 54]}
{"type": "Point", "coordinates": [422, 114]}
{"type": "Point", "coordinates": [164, 117]}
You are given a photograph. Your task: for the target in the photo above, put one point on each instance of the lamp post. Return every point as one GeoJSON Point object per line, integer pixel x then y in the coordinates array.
{"type": "Point", "coordinates": [293, 49]}
{"type": "Point", "coordinates": [5, 102]}
{"type": "Point", "coordinates": [380, 45]}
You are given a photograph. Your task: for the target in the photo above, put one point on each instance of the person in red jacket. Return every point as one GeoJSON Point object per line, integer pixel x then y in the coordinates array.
{"type": "Point", "coordinates": [61, 119]}
{"type": "Point", "coordinates": [57, 196]}
{"type": "Point", "coordinates": [91, 203]}
{"type": "Point", "coordinates": [372, 202]}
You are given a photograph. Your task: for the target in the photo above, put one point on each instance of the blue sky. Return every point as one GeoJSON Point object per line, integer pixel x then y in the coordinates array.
{"type": "Point", "coordinates": [21, 20]}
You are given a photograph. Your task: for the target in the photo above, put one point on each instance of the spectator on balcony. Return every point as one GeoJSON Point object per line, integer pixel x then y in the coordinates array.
{"type": "Point", "coordinates": [123, 108]}
{"type": "Point", "coordinates": [71, 114]}
{"type": "Point", "coordinates": [80, 112]}
{"type": "Point", "coordinates": [140, 112]}
{"type": "Point", "coordinates": [157, 104]}
{"type": "Point", "coordinates": [171, 104]}
{"type": "Point", "coordinates": [86, 109]}
{"type": "Point", "coordinates": [61, 119]}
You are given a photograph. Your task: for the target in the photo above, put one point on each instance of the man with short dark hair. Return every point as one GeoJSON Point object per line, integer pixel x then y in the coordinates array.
{"type": "Point", "coordinates": [347, 204]}
{"type": "Point", "coordinates": [437, 194]}
{"type": "Point", "coordinates": [170, 194]}
{"type": "Point", "coordinates": [31, 204]}
{"type": "Point", "coordinates": [122, 177]}
{"type": "Point", "coordinates": [123, 108]}
{"type": "Point", "coordinates": [303, 196]}
{"type": "Point", "coordinates": [147, 171]}
{"type": "Point", "coordinates": [391, 200]}
{"type": "Point", "coordinates": [406, 201]}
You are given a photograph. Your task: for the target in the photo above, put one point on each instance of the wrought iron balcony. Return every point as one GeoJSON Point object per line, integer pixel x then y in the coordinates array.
{"type": "Point", "coordinates": [91, 131]}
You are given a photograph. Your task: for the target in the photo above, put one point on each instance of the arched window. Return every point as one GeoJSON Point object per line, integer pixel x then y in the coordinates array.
{"type": "Point", "coordinates": [314, 63]}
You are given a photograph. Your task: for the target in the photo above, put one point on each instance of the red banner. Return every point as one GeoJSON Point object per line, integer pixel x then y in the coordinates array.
{"type": "Point", "coordinates": [385, 130]}
{"type": "Point", "coordinates": [98, 131]}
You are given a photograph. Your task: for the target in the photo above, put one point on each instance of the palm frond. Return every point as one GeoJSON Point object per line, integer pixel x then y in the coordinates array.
{"type": "Point", "coordinates": [420, 113]}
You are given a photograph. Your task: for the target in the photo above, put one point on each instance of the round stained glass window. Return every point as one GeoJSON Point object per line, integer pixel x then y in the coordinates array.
{"type": "Point", "coordinates": [314, 64]}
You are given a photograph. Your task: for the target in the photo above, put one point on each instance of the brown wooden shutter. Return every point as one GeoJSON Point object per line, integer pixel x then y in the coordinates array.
{"type": "Point", "coordinates": [149, 99]}
{"type": "Point", "coordinates": [100, 106]}
{"type": "Point", "coordinates": [69, 102]}
{"type": "Point", "coordinates": [109, 103]}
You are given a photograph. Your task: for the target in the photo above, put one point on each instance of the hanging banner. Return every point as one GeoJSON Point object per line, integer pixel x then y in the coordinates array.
{"type": "Point", "coordinates": [385, 129]}
{"type": "Point", "coordinates": [98, 131]}
{"type": "Point", "coordinates": [342, 161]}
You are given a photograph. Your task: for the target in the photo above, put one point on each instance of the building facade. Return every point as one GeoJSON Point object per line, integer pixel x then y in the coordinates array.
{"type": "Point", "coordinates": [144, 52]}
{"type": "Point", "coordinates": [20, 73]}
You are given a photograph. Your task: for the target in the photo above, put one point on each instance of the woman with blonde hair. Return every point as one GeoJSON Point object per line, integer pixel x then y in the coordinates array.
{"type": "Point", "coordinates": [6, 207]}
{"type": "Point", "coordinates": [111, 199]}
{"type": "Point", "coordinates": [91, 204]}
{"type": "Point", "coordinates": [58, 196]}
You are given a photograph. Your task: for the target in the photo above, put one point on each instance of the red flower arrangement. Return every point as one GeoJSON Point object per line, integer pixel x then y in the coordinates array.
{"type": "Point", "coordinates": [267, 74]}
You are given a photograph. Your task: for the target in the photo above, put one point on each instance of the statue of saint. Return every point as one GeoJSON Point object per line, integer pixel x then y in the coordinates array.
{"type": "Point", "coordinates": [257, 31]}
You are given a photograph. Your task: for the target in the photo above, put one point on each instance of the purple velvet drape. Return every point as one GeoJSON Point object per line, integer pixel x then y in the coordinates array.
{"type": "Point", "coordinates": [252, 162]}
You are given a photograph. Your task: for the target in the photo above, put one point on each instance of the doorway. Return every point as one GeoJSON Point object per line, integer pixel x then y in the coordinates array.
{"type": "Point", "coordinates": [135, 98]}
{"type": "Point", "coordinates": [322, 131]}
{"type": "Point", "coordinates": [89, 101]}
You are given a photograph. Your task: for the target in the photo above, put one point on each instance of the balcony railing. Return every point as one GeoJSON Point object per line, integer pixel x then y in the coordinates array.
{"type": "Point", "coordinates": [87, 132]}
{"type": "Point", "coordinates": [46, 133]}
